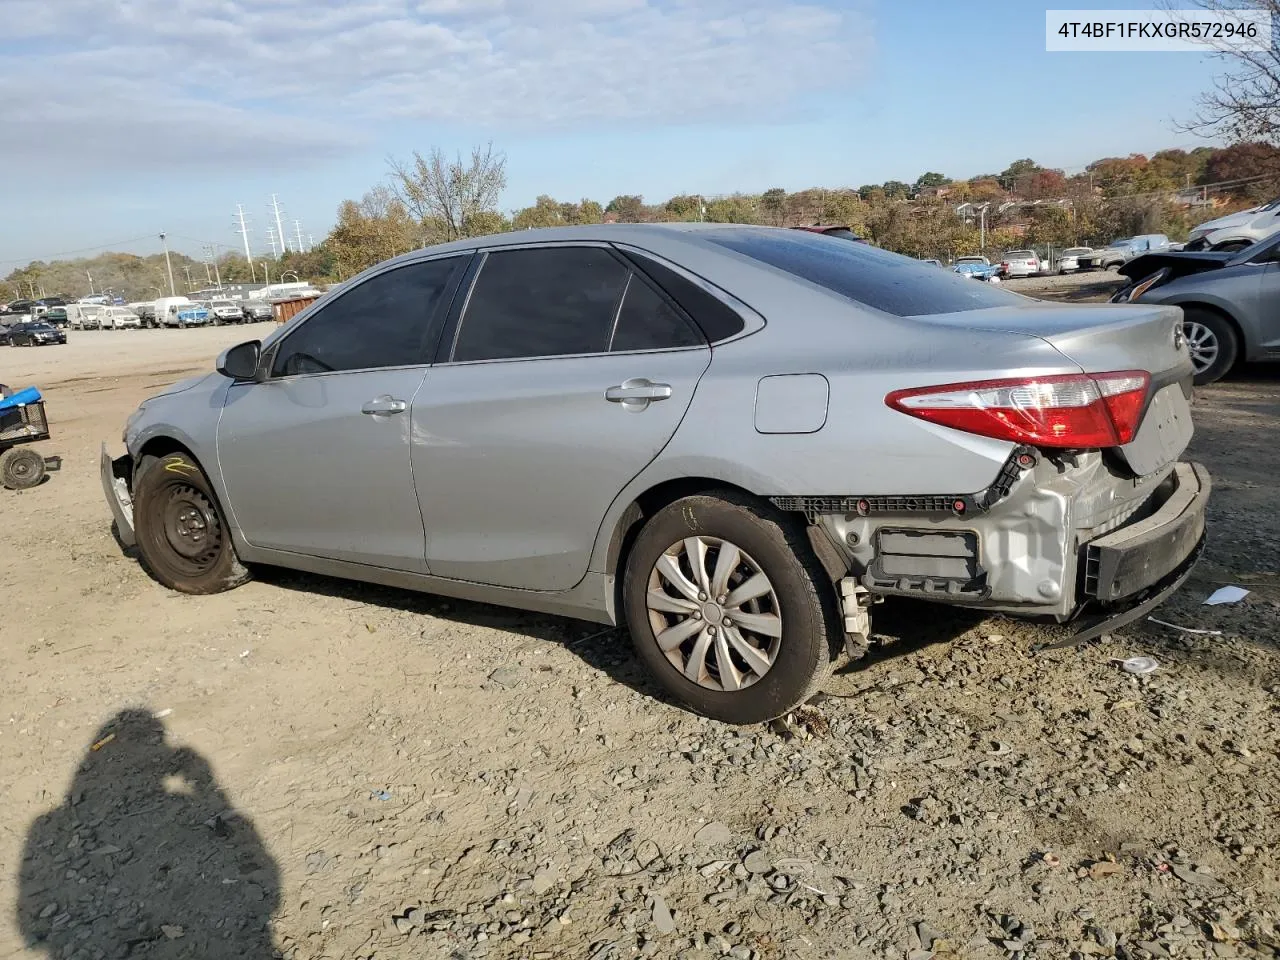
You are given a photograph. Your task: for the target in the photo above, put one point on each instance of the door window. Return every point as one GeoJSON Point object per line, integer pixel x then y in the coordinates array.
{"type": "Point", "coordinates": [547, 302]}
{"type": "Point", "coordinates": [382, 322]}
{"type": "Point", "coordinates": [648, 322]}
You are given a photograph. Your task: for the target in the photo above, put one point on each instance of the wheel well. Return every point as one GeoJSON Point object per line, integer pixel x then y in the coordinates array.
{"type": "Point", "coordinates": [1218, 311]}
{"type": "Point", "coordinates": [649, 503]}
{"type": "Point", "coordinates": [162, 447]}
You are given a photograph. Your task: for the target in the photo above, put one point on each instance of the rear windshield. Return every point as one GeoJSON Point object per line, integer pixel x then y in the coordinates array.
{"type": "Point", "coordinates": [1021, 254]}
{"type": "Point", "coordinates": [865, 274]}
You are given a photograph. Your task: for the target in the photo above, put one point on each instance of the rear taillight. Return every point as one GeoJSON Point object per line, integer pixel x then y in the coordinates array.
{"type": "Point", "coordinates": [1071, 410]}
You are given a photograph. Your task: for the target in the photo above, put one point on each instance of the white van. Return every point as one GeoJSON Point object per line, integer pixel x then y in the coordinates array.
{"type": "Point", "coordinates": [85, 316]}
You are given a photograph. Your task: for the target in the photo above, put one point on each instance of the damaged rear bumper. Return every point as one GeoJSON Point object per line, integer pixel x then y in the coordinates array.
{"type": "Point", "coordinates": [116, 475]}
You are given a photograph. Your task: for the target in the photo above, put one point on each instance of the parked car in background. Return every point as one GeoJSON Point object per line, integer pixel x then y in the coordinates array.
{"type": "Point", "coordinates": [1069, 259]}
{"type": "Point", "coordinates": [931, 262]}
{"type": "Point", "coordinates": [120, 318]}
{"type": "Point", "coordinates": [1119, 252]}
{"type": "Point", "coordinates": [98, 298]}
{"type": "Point", "coordinates": [225, 311]}
{"type": "Point", "coordinates": [146, 311]}
{"type": "Point", "coordinates": [255, 310]}
{"type": "Point", "coordinates": [35, 334]}
{"type": "Point", "coordinates": [85, 316]}
{"type": "Point", "coordinates": [192, 314]}
{"type": "Point", "coordinates": [166, 310]}
{"type": "Point", "coordinates": [977, 268]}
{"type": "Point", "coordinates": [21, 306]}
{"type": "Point", "coordinates": [729, 438]}
{"type": "Point", "coordinates": [1020, 263]}
{"type": "Point", "coordinates": [57, 316]}
{"type": "Point", "coordinates": [1236, 231]}
{"type": "Point", "coordinates": [1230, 301]}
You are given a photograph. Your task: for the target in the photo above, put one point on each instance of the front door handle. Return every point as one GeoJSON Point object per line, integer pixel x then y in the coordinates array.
{"type": "Point", "coordinates": [384, 406]}
{"type": "Point", "coordinates": [638, 390]}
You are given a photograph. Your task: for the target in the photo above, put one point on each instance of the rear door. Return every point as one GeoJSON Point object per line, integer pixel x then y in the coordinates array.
{"type": "Point", "coordinates": [565, 375]}
{"type": "Point", "coordinates": [315, 459]}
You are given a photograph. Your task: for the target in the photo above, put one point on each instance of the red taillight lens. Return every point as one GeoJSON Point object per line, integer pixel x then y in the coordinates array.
{"type": "Point", "coordinates": [1071, 410]}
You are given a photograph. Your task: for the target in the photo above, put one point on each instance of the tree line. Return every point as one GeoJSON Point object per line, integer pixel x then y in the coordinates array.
{"type": "Point", "coordinates": [433, 198]}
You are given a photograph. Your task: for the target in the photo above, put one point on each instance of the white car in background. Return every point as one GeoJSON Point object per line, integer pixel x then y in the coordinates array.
{"type": "Point", "coordinates": [1236, 230]}
{"type": "Point", "coordinates": [225, 311]}
{"type": "Point", "coordinates": [1020, 263]}
{"type": "Point", "coordinates": [120, 318]}
{"type": "Point", "coordinates": [85, 316]}
{"type": "Point", "coordinates": [1069, 259]}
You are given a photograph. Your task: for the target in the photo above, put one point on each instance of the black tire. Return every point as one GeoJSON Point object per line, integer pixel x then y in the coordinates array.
{"type": "Point", "coordinates": [1223, 333]}
{"type": "Point", "coordinates": [1231, 246]}
{"type": "Point", "coordinates": [809, 629]}
{"type": "Point", "coordinates": [21, 468]}
{"type": "Point", "coordinates": [182, 532]}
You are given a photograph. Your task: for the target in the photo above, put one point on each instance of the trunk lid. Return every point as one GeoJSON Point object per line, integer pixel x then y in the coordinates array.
{"type": "Point", "coordinates": [1104, 338]}
{"type": "Point", "coordinates": [1179, 264]}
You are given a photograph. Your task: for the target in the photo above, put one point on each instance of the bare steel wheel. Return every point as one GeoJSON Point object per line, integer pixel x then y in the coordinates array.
{"type": "Point", "coordinates": [182, 535]}
{"type": "Point", "coordinates": [728, 607]}
{"type": "Point", "coordinates": [714, 613]}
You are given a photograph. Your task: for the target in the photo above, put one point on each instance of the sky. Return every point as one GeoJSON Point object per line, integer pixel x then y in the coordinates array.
{"type": "Point", "coordinates": [124, 118]}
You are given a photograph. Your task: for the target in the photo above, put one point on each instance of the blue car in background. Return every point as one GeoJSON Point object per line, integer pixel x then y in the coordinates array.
{"type": "Point", "coordinates": [978, 268]}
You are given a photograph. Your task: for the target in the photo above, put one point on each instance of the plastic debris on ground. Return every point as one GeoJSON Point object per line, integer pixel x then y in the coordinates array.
{"type": "Point", "coordinates": [1174, 626]}
{"type": "Point", "coordinates": [1226, 595]}
{"type": "Point", "coordinates": [1138, 665]}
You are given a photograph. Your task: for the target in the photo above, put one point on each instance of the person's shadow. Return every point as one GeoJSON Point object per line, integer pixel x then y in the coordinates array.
{"type": "Point", "coordinates": [145, 858]}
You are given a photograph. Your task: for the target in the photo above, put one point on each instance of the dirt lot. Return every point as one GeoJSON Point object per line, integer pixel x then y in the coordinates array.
{"type": "Point", "coordinates": [334, 770]}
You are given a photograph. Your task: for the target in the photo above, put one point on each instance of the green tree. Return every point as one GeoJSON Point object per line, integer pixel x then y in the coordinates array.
{"type": "Point", "coordinates": [896, 190]}
{"type": "Point", "coordinates": [773, 203]}
{"type": "Point", "coordinates": [589, 211]}
{"type": "Point", "coordinates": [683, 207]}
{"type": "Point", "coordinates": [628, 208]}
{"type": "Point", "coordinates": [931, 179]}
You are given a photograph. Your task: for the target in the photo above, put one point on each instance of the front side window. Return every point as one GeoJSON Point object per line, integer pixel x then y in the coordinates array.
{"type": "Point", "coordinates": [382, 322]}
{"type": "Point", "coordinates": [548, 302]}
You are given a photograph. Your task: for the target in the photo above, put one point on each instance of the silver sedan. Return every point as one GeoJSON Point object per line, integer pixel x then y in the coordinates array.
{"type": "Point", "coordinates": [731, 439]}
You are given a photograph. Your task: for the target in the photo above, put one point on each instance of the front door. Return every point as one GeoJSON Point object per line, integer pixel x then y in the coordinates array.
{"type": "Point", "coordinates": [567, 375]}
{"type": "Point", "coordinates": [315, 459]}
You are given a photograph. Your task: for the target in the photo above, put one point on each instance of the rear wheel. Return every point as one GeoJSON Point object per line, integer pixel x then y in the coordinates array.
{"type": "Point", "coordinates": [21, 468]}
{"type": "Point", "coordinates": [728, 608]}
{"type": "Point", "coordinates": [182, 532]}
{"type": "Point", "coordinates": [1212, 342]}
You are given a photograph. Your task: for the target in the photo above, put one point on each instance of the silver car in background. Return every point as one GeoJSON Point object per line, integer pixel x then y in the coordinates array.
{"type": "Point", "coordinates": [1069, 259]}
{"type": "Point", "coordinates": [731, 439]}
{"type": "Point", "coordinates": [1230, 301]}
{"type": "Point", "coordinates": [1020, 263]}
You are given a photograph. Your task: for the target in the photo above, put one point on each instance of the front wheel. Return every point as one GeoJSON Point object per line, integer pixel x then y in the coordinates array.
{"type": "Point", "coordinates": [182, 532]}
{"type": "Point", "coordinates": [1212, 342]}
{"type": "Point", "coordinates": [728, 608]}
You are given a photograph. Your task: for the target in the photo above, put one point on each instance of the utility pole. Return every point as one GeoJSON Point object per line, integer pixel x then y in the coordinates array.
{"type": "Point", "coordinates": [190, 284]}
{"type": "Point", "coordinates": [90, 276]}
{"type": "Point", "coordinates": [244, 235]}
{"type": "Point", "coordinates": [982, 228]}
{"type": "Point", "coordinates": [169, 264]}
{"type": "Point", "coordinates": [213, 256]}
{"type": "Point", "coordinates": [297, 228]}
{"type": "Point", "coordinates": [311, 241]}
{"type": "Point", "coordinates": [266, 275]}
{"type": "Point", "coordinates": [271, 239]}
{"type": "Point", "coordinates": [275, 207]}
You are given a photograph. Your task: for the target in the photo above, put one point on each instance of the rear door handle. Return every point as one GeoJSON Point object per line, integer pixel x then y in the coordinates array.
{"type": "Point", "coordinates": [638, 389]}
{"type": "Point", "coordinates": [384, 405]}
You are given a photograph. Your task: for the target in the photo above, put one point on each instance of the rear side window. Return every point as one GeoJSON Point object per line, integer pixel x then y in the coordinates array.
{"type": "Point", "coordinates": [548, 302]}
{"type": "Point", "coordinates": [865, 274]}
{"type": "Point", "coordinates": [380, 323]}
{"type": "Point", "coordinates": [648, 322]}
{"type": "Point", "coordinates": [717, 320]}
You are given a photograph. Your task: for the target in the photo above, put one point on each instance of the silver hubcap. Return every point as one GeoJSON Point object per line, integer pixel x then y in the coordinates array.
{"type": "Point", "coordinates": [714, 613]}
{"type": "Point", "coordinates": [1202, 343]}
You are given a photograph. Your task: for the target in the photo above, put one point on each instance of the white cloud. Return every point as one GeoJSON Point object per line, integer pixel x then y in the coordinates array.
{"type": "Point", "coordinates": [316, 73]}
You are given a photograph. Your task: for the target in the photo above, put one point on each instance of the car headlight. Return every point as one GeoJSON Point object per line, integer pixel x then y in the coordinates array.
{"type": "Point", "coordinates": [1133, 293]}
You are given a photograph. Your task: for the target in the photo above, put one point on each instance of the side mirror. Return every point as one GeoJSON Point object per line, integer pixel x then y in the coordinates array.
{"type": "Point", "coordinates": [241, 361]}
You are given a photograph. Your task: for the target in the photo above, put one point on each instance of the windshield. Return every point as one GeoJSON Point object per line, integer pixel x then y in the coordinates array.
{"type": "Point", "coordinates": [1263, 246]}
{"type": "Point", "coordinates": [223, 303]}
{"type": "Point", "coordinates": [1020, 254]}
{"type": "Point", "coordinates": [1122, 242]}
{"type": "Point", "coordinates": [39, 326]}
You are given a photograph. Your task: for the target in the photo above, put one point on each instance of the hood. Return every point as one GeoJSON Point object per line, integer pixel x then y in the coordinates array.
{"type": "Point", "coordinates": [1230, 220]}
{"type": "Point", "coordinates": [182, 386]}
{"type": "Point", "coordinates": [1179, 263]}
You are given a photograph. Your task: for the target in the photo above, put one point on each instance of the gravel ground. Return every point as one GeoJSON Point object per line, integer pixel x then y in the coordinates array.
{"type": "Point", "coordinates": [1093, 286]}
{"type": "Point", "coordinates": [315, 769]}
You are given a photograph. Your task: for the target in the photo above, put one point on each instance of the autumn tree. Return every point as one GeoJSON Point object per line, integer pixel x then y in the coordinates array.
{"type": "Point", "coordinates": [451, 193]}
{"type": "Point", "coordinates": [372, 230]}
{"type": "Point", "coordinates": [773, 203]}
{"type": "Point", "coordinates": [1245, 161]}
